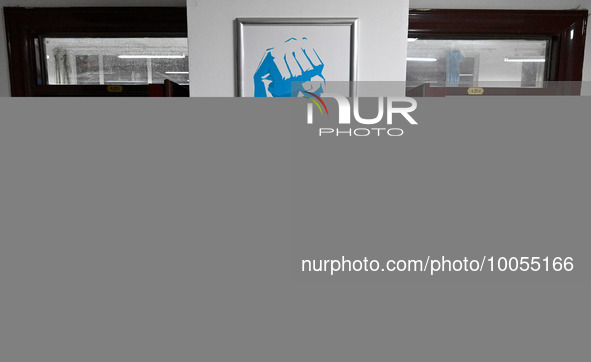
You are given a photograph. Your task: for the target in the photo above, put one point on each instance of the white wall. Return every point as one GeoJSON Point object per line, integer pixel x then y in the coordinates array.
{"type": "Point", "coordinates": [382, 41]}
{"type": "Point", "coordinates": [518, 4]}
{"type": "Point", "coordinates": [4, 74]}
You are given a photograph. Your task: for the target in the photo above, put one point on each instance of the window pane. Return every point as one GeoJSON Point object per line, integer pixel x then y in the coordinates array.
{"type": "Point", "coordinates": [124, 71]}
{"type": "Point", "coordinates": [176, 70]}
{"type": "Point", "coordinates": [87, 69]}
{"type": "Point", "coordinates": [468, 63]}
{"type": "Point", "coordinates": [116, 60]}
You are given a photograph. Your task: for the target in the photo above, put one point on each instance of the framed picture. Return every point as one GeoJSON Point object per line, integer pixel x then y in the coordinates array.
{"type": "Point", "coordinates": [287, 57]}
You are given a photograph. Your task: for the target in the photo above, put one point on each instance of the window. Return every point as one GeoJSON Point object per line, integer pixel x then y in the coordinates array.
{"type": "Point", "coordinates": [507, 51]}
{"type": "Point", "coordinates": [95, 51]}
{"type": "Point", "coordinates": [116, 60]}
{"type": "Point", "coordinates": [478, 62]}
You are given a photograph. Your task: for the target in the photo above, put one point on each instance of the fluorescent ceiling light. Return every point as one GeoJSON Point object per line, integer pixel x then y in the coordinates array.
{"type": "Point", "coordinates": [411, 59]}
{"type": "Point", "coordinates": [176, 72]}
{"type": "Point", "coordinates": [151, 56]}
{"type": "Point", "coordinates": [412, 39]}
{"type": "Point", "coordinates": [525, 60]}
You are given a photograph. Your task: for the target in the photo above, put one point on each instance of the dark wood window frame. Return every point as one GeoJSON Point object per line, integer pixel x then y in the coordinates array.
{"type": "Point", "coordinates": [26, 27]}
{"type": "Point", "coordinates": [566, 52]}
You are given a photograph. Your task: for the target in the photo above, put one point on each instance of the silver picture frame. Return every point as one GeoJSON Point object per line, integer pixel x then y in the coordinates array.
{"type": "Point", "coordinates": [241, 23]}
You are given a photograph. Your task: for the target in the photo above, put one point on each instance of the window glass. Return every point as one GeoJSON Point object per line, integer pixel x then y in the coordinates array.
{"type": "Point", "coordinates": [116, 60]}
{"type": "Point", "coordinates": [477, 63]}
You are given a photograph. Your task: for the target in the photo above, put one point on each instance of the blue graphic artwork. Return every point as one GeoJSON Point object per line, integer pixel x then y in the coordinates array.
{"type": "Point", "coordinates": [292, 61]}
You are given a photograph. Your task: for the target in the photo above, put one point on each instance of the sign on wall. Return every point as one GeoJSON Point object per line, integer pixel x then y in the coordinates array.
{"type": "Point", "coordinates": [287, 57]}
